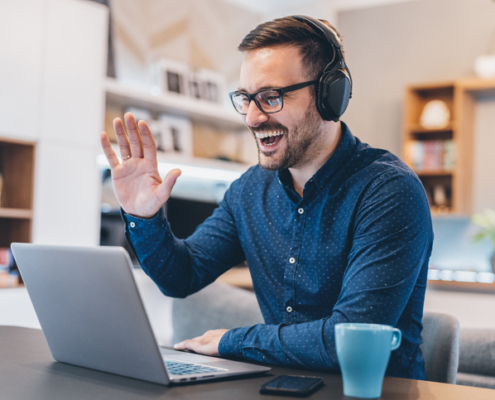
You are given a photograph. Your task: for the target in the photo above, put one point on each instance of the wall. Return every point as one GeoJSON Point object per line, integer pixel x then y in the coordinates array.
{"type": "Point", "coordinates": [316, 9]}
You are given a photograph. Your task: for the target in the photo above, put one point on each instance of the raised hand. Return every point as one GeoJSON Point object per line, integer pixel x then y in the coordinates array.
{"type": "Point", "coordinates": [137, 183]}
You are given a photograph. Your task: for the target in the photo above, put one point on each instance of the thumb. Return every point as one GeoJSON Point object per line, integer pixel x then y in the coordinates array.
{"type": "Point", "coordinates": [168, 183]}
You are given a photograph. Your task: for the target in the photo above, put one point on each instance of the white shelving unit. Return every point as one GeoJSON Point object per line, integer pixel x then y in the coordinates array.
{"type": "Point", "coordinates": [202, 179]}
{"type": "Point", "coordinates": [51, 79]}
{"type": "Point", "coordinates": [199, 111]}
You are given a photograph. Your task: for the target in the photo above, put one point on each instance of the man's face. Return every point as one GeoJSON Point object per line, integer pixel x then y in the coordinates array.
{"type": "Point", "coordinates": [295, 131]}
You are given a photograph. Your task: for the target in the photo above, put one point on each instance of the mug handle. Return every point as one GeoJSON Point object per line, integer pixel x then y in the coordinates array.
{"type": "Point", "coordinates": [396, 338]}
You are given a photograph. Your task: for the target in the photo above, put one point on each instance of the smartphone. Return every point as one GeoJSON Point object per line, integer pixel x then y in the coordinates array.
{"type": "Point", "coordinates": [292, 385]}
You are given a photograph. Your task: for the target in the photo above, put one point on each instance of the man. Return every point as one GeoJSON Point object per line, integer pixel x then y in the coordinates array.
{"type": "Point", "coordinates": [332, 229]}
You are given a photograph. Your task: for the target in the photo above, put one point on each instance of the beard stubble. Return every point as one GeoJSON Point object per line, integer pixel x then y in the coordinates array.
{"type": "Point", "coordinates": [302, 144]}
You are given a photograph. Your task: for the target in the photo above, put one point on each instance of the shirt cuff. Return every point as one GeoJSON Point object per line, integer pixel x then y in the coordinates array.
{"type": "Point", "coordinates": [231, 342]}
{"type": "Point", "coordinates": [143, 226]}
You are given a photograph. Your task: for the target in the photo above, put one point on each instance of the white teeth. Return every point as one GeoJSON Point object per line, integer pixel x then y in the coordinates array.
{"type": "Point", "coordinates": [263, 135]}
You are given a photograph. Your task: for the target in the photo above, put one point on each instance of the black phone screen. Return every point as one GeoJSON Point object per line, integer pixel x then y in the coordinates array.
{"type": "Point", "coordinates": [292, 385]}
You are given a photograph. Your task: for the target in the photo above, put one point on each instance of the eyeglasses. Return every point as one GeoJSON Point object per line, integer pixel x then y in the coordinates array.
{"type": "Point", "coordinates": [268, 101]}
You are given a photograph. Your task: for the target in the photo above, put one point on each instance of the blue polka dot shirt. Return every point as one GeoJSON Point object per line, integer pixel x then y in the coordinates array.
{"type": "Point", "coordinates": [354, 248]}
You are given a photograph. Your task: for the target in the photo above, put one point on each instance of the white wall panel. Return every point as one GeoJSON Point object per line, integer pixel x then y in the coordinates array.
{"type": "Point", "coordinates": [21, 37]}
{"type": "Point", "coordinates": [67, 196]}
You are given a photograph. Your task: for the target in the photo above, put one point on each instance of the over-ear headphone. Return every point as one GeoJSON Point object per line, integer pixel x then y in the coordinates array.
{"type": "Point", "coordinates": [335, 84]}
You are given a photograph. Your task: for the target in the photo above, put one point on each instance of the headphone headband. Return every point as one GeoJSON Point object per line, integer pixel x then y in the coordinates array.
{"type": "Point", "coordinates": [324, 30]}
{"type": "Point", "coordinates": [335, 87]}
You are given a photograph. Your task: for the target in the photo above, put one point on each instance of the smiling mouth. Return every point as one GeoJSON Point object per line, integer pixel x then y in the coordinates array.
{"type": "Point", "coordinates": [270, 138]}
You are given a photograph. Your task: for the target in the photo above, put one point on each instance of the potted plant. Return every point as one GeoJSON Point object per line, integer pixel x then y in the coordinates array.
{"type": "Point", "coordinates": [486, 221]}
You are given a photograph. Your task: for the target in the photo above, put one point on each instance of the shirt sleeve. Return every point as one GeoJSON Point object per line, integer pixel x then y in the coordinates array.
{"type": "Point", "coordinates": [391, 245]}
{"type": "Point", "coordinates": [182, 267]}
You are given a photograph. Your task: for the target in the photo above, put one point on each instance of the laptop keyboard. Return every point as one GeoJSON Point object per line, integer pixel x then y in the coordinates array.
{"type": "Point", "coordinates": [183, 368]}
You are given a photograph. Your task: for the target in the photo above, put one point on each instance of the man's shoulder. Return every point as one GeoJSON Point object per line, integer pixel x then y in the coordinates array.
{"type": "Point", "coordinates": [378, 164]}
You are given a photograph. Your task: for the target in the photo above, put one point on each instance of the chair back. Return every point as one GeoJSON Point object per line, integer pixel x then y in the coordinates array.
{"type": "Point", "coordinates": [440, 347]}
{"type": "Point", "coordinates": [217, 306]}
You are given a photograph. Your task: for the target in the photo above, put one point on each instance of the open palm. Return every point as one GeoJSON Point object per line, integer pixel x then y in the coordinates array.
{"type": "Point", "coordinates": [137, 183]}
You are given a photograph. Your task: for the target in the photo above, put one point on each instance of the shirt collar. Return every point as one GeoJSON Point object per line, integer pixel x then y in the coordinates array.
{"type": "Point", "coordinates": [342, 154]}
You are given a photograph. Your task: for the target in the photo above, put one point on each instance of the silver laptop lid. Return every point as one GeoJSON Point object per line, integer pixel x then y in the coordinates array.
{"type": "Point", "coordinates": [90, 309]}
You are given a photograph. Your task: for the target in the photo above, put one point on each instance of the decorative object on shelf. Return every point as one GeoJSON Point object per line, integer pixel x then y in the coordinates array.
{"type": "Point", "coordinates": [139, 114]}
{"type": "Point", "coordinates": [213, 85]}
{"type": "Point", "coordinates": [435, 115]}
{"type": "Point", "coordinates": [171, 76]}
{"type": "Point", "coordinates": [484, 66]}
{"type": "Point", "coordinates": [176, 134]}
{"type": "Point", "coordinates": [154, 125]}
{"type": "Point", "coordinates": [176, 77]}
{"type": "Point", "coordinates": [486, 221]}
{"type": "Point", "coordinates": [439, 195]}
{"type": "Point", "coordinates": [194, 86]}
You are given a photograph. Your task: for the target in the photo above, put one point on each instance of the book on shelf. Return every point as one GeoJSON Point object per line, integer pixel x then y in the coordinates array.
{"type": "Point", "coordinates": [6, 259]}
{"type": "Point", "coordinates": [431, 155]}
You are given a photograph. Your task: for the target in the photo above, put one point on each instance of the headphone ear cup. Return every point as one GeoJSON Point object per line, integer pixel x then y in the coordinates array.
{"type": "Point", "coordinates": [333, 94]}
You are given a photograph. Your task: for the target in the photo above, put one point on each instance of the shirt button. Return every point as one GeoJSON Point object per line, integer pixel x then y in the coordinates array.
{"type": "Point", "coordinates": [132, 224]}
{"type": "Point", "coordinates": [289, 309]}
{"type": "Point", "coordinates": [300, 211]}
{"type": "Point", "coordinates": [292, 260]}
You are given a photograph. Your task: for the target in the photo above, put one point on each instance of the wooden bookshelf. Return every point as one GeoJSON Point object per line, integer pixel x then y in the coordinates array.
{"type": "Point", "coordinates": [453, 184]}
{"type": "Point", "coordinates": [16, 193]}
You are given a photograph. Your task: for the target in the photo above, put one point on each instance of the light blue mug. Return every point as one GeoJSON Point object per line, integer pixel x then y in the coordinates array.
{"type": "Point", "coordinates": [363, 351]}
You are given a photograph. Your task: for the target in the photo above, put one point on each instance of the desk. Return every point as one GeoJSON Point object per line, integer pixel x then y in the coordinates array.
{"type": "Point", "coordinates": [27, 371]}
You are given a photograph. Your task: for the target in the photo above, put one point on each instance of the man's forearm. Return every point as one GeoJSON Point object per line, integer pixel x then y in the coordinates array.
{"type": "Point", "coordinates": [182, 267]}
{"type": "Point", "coordinates": [162, 256]}
{"type": "Point", "coordinates": [308, 345]}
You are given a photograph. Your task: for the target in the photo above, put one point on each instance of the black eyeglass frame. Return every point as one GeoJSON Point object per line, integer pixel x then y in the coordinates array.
{"type": "Point", "coordinates": [281, 92]}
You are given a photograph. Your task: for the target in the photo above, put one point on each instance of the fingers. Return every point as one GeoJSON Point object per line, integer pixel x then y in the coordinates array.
{"type": "Point", "coordinates": [134, 136]}
{"type": "Point", "coordinates": [206, 344]}
{"type": "Point", "coordinates": [167, 184]}
{"type": "Point", "coordinates": [149, 146]}
{"type": "Point", "coordinates": [122, 140]}
{"type": "Point", "coordinates": [107, 149]}
{"type": "Point", "coordinates": [197, 344]}
{"type": "Point", "coordinates": [183, 345]}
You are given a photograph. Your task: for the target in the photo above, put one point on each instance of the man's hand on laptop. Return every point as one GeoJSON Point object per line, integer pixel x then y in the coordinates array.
{"type": "Point", "coordinates": [206, 344]}
{"type": "Point", "coordinates": [137, 183]}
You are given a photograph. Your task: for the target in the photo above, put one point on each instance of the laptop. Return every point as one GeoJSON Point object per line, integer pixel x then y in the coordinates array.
{"type": "Point", "coordinates": [92, 315]}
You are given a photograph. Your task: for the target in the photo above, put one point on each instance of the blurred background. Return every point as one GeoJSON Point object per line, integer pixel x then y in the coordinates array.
{"type": "Point", "coordinates": [424, 89]}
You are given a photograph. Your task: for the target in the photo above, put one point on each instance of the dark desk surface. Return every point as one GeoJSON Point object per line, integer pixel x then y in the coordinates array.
{"type": "Point", "coordinates": [27, 371]}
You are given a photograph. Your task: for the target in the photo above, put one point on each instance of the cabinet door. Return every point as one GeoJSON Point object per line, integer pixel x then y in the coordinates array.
{"type": "Point", "coordinates": [21, 38]}
{"type": "Point", "coordinates": [75, 67]}
{"type": "Point", "coordinates": [67, 196]}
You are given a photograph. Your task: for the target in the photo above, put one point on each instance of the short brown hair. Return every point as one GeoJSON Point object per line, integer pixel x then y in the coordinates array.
{"type": "Point", "coordinates": [316, 52]}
